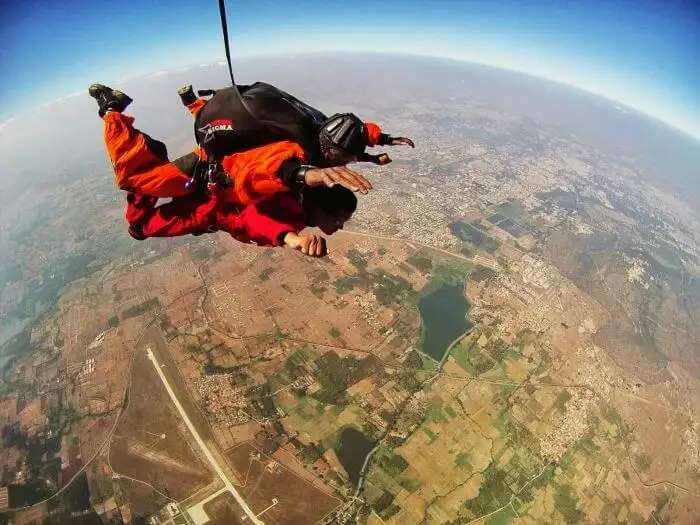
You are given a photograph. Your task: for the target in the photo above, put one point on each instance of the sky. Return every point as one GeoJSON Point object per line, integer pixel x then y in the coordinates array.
{"type": "Point", "coordinates": [643, 54]}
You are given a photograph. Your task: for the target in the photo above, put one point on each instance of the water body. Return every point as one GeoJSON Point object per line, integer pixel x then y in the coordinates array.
{"type": "Point", "coordinates": [444, 318]}
{"type": "Point", "coordinates": [29, 493]}
{"type": "Point", "coordinates": [11, 328]}
{"type": "Point", "coordinates": [352, 451]}
{"type": "Point", "coordinates": [8, 330]}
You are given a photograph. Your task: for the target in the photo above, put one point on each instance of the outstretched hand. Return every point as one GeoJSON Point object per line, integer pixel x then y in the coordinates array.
{"type": "Point", "coordinates": [383, 159]}
{"type": "Point", "coordinates": [311, 245]}
{"type": "Point", "coordinates": [337, 175]}
{"type": "Point", "coordinates": [402, 141]}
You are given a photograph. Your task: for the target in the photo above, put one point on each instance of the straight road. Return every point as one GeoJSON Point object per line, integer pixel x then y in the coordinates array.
{"type": "Point", "coordinates": [205, 450]}
{"type": "Point", "coordinates": [476, 259]}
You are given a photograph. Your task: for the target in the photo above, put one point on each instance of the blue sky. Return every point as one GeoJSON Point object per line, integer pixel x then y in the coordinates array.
{"type": "Point", "coordinates": [644, 54]}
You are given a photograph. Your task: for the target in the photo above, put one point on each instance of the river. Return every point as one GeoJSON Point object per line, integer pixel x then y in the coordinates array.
{"type": "Point", "coordinates": [444, 314]}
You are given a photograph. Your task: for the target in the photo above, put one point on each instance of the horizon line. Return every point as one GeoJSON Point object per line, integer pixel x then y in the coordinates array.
{"type": "Point", "coordinates": [220, 62]}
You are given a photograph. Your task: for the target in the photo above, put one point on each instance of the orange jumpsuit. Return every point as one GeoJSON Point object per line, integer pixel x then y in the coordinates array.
{"type": "Point", "coordinates": [141, 165]}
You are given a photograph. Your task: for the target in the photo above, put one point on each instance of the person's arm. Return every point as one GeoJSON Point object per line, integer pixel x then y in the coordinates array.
{"type": "Point", "coordinates": [279, 167]}
{"type": "Point", "coordinates": [266, 223]}
{"type": "Point", "coordinates": [375, 137]}
{"type": "Point", "coordinates": [312, 245]}
{"type": "Point", "coordinates": [277, 222]}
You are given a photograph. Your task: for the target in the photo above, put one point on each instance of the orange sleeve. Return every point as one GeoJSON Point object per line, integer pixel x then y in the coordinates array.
{"type": "Point", "coordinates": [373, 132]}
{"type": "Point", "coordinates": [254, 172]}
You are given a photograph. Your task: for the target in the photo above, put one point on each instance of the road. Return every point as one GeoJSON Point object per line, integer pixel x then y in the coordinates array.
{"type": "Point", "coordinates": [197, 511]}
{"type": "Point", "coordinates": [478, 259]}
{"type": "Point", "coordinates": [205, 450]}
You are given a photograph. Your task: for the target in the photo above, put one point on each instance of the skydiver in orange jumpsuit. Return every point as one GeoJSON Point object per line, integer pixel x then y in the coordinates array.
{"type": "Point", "coordinates": [267, 140]}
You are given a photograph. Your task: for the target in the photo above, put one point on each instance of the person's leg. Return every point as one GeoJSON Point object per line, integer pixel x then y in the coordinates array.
{"type": "Point", "coordinates": [190, 215]}
{"type": "Point", "coordinates": [140, 162]}
{"type": "Point", "coordinates": [196, 106]}
{"type": "Point", "coordinates": [191, 101]}
{"type": "Point", "coordinates": [139, 209]}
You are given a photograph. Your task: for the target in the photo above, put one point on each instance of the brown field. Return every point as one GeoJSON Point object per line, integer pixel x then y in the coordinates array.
{"type": "Point", "coordinates": [142, 499]}
{"type": "Point", "coordinates": [99, 477]}
{"type": "Point", "coordinates": [230, 436]}
{"type": "Point", "coordinates": [288, 459]}
{"type": "Point", "coordinates": [30, 516]}
{"type": "Point", "coordinates": [138, 448]}
{"type": "Point", "coordinates": [94, 432]}
{"type": "Point", "coordinates": [248, 300]}
{"type": "Point", "coordinates": [299, 502]}
{"type": "Point", "coordinates": [223, 510]}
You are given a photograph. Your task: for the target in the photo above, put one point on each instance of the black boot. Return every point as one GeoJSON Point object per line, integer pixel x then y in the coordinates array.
{"type": "Point", "coordinates": [187, 95]}
{"type": "Point", "coordinates": [109, 99]}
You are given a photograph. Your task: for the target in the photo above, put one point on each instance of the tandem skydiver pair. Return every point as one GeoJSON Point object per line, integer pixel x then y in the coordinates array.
{"type": "Point", "coordinates": [266, 166]}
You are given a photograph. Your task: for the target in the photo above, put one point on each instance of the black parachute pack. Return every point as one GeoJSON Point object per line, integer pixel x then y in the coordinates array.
{"type": "Point", "coordinates": [240, 118]}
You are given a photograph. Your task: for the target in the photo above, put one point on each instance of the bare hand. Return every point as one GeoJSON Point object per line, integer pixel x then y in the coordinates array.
{"type": "Point", "coordinates": [402, 141]}
{"type": "Point", "coordinates": [383, 159]}
{"type": "Point", "coordinates": [311, 245]}
{"type": "Point", "coordinates": [337, 175]}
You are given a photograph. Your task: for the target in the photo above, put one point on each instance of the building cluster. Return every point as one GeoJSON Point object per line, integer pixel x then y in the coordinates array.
{"type": "Point", "coordinates": [345, 515]}
{"type": "Point", "coordinates": [571, 427]}
{"type": "Point", "coordinates": [637, 271]}
{"type": "Point", "coordinates": [599, 376]}
{"type": "Point", "coordinates": [87, 369]}
{"type": "Point", "coordinates": [529, 287]}
{"type": "Point", "coordinates": [303, 382]}
{"type": "Point", "coordinates": [507, 286]}
{"type": "Point", "coordinates": [97, 341]}
{"type": "Point", "coordinates": [223, 401]}
{"type": "Point", "coordinates": [367, 303]}
{"type": "Point", "coordinates": [533, 271]}
{"type": "Point", "coordinates": [416, 216]}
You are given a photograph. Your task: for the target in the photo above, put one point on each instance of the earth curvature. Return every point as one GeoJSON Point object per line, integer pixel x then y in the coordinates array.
{"type": "Point", "coordinates": [506, 328]}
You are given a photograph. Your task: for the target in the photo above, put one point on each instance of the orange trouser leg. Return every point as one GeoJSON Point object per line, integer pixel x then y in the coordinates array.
{"type": "Point", "coordinates": [140, 164]}
{"type": "Point", "coordinates": [196, 106]}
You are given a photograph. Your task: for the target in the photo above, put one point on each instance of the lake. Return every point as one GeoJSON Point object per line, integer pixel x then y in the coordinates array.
{"type": "Point", "coordinates": [8, 330]}
{"type": "Point", "coordinates": [11, 327]}
{"type": "Point", "coordinates": [444, 318]}
{"type": "Point", "coordinates": [352, 451]}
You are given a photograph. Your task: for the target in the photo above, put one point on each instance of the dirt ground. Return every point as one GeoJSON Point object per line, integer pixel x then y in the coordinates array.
{"type": "Point", "coordinates": [223, 510]}
{"type": "Point", "coordinates": [151, 443]}
{"type": "Point", "coordinates": [142, 499]}
{"type": "Point", "coordinates": [299, 502]}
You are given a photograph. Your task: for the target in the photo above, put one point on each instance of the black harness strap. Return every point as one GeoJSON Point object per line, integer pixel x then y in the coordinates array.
{"type": "Point", "coordinates": [213, 170]}
{"type": "Point", "coordinates": [224, 27]}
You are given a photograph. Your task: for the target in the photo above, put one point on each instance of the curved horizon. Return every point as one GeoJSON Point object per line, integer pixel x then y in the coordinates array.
{"type": "Point", "coordinates": [640, 54]}
{"type": "Point", "coordinates": [273, 55]}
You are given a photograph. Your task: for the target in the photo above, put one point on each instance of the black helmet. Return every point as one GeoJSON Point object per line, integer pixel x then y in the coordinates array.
{"type": "Point", "coordinates": [345, 132]}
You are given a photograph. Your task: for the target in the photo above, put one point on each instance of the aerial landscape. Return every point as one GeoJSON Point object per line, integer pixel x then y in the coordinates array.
{"type": "Point", "coordinates": [505, 332]}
